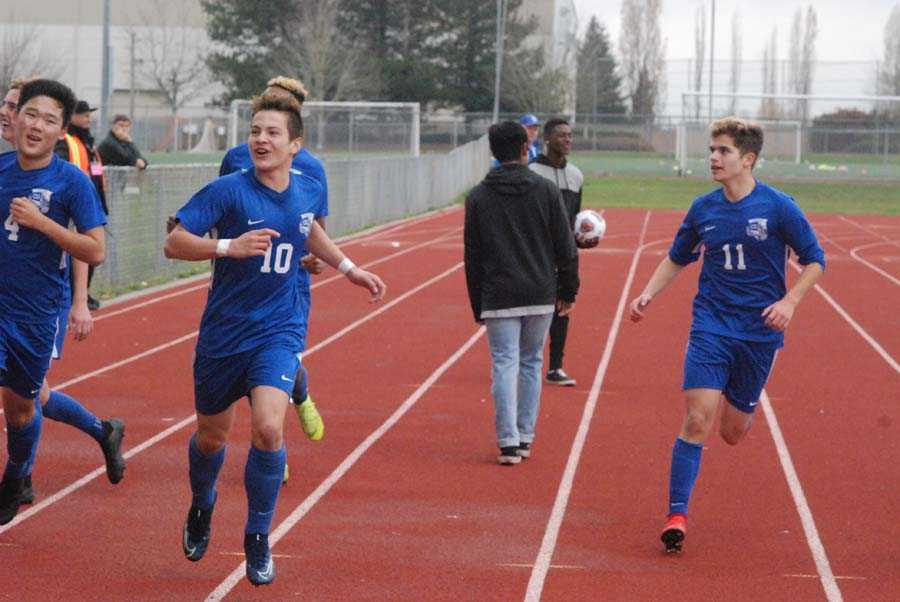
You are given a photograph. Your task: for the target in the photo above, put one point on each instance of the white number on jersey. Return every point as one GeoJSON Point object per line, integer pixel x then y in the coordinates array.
{"type": "Point", "coordinates": [13, 227]}
{"type": "Point", "coordinates": [283, 254]}
{"type": "Point", "coordinates": [740, 257]}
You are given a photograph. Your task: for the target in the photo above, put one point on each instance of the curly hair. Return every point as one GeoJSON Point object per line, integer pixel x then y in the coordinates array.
{"type": "Point", "coordinates": [287, 105]}
{"type": "Point", "coordinates": [747, 136]}
{"type": "Point", "coordinates": [294, 86]}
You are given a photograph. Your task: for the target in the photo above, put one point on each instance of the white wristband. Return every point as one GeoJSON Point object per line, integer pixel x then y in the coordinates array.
{"type": "Point", "coordinates": [345, 265]}
{"type": "Point", "coordinates": [222, 247]}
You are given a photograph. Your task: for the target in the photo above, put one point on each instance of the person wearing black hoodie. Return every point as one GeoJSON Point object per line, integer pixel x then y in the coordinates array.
{"type": "Point", "coordinates": [569, 179]}
{"type": "Point", "coordinates": [521, 265]}
{"type": "Point", "coordinates": [78, 147]}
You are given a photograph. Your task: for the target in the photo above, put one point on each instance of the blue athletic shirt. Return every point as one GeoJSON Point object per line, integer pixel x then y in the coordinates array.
{"type": "Point", "coordinates": [238, 158]}
{"type": "Point", "coordinates": [745, 251]}
{"type": "Point", "coordinates": [35, 283]}
{"type": "Point", "coordinates": [251, 300]}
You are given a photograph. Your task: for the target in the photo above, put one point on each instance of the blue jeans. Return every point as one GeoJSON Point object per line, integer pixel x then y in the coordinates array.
{"type": "Point", "coordinates": [517, 348]}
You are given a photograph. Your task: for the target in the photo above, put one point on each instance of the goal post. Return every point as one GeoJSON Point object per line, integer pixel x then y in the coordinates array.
{"type": "Point", "coordinates": [345, 128]}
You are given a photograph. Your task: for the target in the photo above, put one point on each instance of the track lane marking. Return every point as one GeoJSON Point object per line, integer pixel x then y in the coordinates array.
{"type": "Point", "coordinates": [548, 544]}
{"type": "Point", "coordinates": [300, 511]}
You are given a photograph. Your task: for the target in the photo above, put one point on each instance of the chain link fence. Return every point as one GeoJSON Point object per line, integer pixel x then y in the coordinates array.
{"type": "Point", "coordinates": [362, 192]}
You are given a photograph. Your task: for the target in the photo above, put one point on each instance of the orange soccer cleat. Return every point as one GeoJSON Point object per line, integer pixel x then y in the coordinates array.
{"type": "Point", "coordinates": [673, 533]}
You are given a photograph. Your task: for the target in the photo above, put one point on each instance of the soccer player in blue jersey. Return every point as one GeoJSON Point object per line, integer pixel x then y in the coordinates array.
{"type": "Point", "coordinates": [742, 308]}
{"type": "Point", "coordinates": [40, 194]}
{"type": "Point", "coordinates": [253, 327]}
{"type": "Point", "coordinates": [74, 315]}
{"type": "Point", "coordinates": [238, 158]}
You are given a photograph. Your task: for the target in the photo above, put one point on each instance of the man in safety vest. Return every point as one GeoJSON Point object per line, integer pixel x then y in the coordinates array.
{"type": "Point", "coordinates": [78, 147]}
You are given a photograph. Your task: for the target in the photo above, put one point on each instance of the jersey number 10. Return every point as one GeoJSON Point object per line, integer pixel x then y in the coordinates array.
{"type": "Point", "coordinates": [282, 263]}
{"type": "Point", "coordinates": [740, 257]}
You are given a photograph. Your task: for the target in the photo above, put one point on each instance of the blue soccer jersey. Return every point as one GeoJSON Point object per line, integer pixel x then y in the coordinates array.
{"type": "Point", "coordinates": [32, 266]}
{"type": "Point", "coordinates": [252, 300]}
{"type": "Point", "coordinates": [305, 162]}
{"type": "Point", "coordinates": [745, 250]}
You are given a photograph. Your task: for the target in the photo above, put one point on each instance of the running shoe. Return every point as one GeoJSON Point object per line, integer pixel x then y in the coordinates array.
{"type": "Point", "coordinates": [310, 419]}
{"type": "Point", "coordinates": [560, 378]}
{"type": "Point", "coordinates": [195, 535]}
{"type": "Point", "coordinates": [673, 533]}
{"type": "Point", "coordinates": [112, 449]}
{"type": "Point", "coordinates": [260, 566]}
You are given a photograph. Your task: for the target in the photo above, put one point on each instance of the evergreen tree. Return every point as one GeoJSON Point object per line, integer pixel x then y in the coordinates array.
{"type": "Point", "coordinates": [598, 84]}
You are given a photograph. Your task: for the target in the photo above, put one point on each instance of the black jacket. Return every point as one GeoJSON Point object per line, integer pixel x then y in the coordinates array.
{"type": "Point", "coordinates": [519, 248]}
{"type": "Point", "coordinates": [119, 152]}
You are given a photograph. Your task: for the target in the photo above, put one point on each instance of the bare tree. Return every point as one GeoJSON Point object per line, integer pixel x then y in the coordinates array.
{"type": "Point", "coordinates": [643, 55]}
{"type": "Point", "coordinates": [331, 64]}
{"type": "Point", "coordinates": [769, 107]}
{"type": "Point", "coordinates": [23, 53]}
{"type": "Point", "coordinates": [802, 58]}
{"type": "Point", "coordinates": [169, 57]}
{"type": "Point", "coordinates": [737, 49]}
{"type": "Point", "coordinates": [699, 54]}
{"type": "Point", "coordinates": [888, 82]}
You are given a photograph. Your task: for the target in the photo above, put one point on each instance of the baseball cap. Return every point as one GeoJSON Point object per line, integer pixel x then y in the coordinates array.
{"type": "Point", "coordinates": [83, 107]}
{"type": "Point", "coordinates": [529, 119]}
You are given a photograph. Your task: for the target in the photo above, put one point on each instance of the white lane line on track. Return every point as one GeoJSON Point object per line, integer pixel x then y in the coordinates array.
{"type": "Point", "coordinates": [865, 228]}
{"type": "Point", "coordinates": [188, 420]}
{"type": "Point", "coordinates": [887, 357]}
{"type": "Point", "coordinates": [205, 284]}
{"type": "Point", "coordinates": [854, 253]}
{"type": "Point", "coordinates": [823, 567]}
{"type": "Point", "coordinates": [548, 545]}
{"type": "Point", "coordinates": [300, 511]}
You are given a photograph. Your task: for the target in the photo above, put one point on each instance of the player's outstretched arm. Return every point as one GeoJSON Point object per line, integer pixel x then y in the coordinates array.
{"type": "Point", "coordinates": [89, 247]}
{"type": "Point", "coordinates": [81, 323]}
{"type": "Point", "coordinates": [664, 274]}
{"type": "Point", "coordinates": [779, 314]}
{"type": "Point", "coordinates": [181, 244]}
{"type": "Point", "coordinates": [324, 248]}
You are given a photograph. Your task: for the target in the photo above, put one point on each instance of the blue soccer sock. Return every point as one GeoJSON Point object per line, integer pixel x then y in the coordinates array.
{"type": "Point", "coordinates": [685, 467]}
{"type": "Point", "coordinates": [301, 390]}
{"type": "Point", "coordinates": [262, 480]}
{"type": "Point", "coordinates": [203, 471]}
{"type": "Point", "coordinates": [62, 408]}
{"type": "Point", "coordinates": [21, 445]}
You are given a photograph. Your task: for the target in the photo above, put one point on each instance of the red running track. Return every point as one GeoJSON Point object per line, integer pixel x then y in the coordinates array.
{"type": "Point", "coordinates": [402, 500]}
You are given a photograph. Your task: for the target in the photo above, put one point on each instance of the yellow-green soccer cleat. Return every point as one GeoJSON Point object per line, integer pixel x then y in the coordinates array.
{"type": "Point", "coordinates": [310, 419]}
{"type": "Point", "coordinates": [287, 474]}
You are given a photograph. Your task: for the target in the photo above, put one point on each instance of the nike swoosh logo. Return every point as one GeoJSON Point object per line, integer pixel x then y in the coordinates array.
{"type": "Point", "coordinates": [190, 550]}
{"type": "Point", "coordinates": [268, 572]}
{"type": "Point", "coordinates": [708, 228]}
{"type": "Point", "coordinates": [252, 222]}
{"type": "Point", "coordinates": [286, 379]}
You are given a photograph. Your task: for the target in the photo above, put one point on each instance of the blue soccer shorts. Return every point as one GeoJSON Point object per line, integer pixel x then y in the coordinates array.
{"type": "Point", "coordinates": [62, 326]}
{"type": "Point", "coordinates": [220, 381]}
{"type": "Point", "coordinates": [25, 351]}
{"type": "Point", "coordinates": [736, 367]}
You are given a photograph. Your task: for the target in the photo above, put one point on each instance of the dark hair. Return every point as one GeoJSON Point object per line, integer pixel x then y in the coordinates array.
{"type": "Point", "coordinates": [506, 139]}
{"type": "Point", "coordinates": [285, 104]}
{"type": "Point", "coordinates": [747, 136]}
{"type": "Point", "coordinates": [120, 118]}
{"type": "Point", "coordinates": [52, 89]}
{"type": "Point", "coordinates": [551, 125]}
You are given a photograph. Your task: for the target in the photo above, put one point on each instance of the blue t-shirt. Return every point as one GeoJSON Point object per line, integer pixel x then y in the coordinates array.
{"type": "Point", "coordinates": [745, 252]}
{"type": "Point", "coordinates": [32, 265]}
{"type": "Point", "coordinates": [251, 300]}
{"type": "Point", "coordinates": [238, 158]}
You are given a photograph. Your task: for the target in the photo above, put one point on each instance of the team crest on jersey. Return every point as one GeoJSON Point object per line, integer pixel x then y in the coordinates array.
{"type": "Point", "coordinates": [41, 198]}
{"type": "Point", "coordinates": [306, 220]}
{"type": "Point", "coordinates": [757, 228]}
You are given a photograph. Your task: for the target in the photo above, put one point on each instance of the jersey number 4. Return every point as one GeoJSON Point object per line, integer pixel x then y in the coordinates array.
{"type": "Point", "coordinates": [740, 257]}
{"type": "Point", "coordinates": [282, 259]}
{"type": "Point", "coordinates": [12, 227]}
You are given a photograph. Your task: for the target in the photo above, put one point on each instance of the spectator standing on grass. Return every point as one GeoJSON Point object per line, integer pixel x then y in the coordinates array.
{"type": "Point", "coordinates": [78, 148]}
{"type": "Point", "coordinates": [555, 167]}
{"type": "Point", "coordinates": [521, 266]}
{"type": "Point", "coordinates": [118, 148]}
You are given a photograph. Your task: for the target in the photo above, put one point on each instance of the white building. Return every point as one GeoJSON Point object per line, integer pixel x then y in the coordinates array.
{"type": "Point", "coordinates": [557, 34]}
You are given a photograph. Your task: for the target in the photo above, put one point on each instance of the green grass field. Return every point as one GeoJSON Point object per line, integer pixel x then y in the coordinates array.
{"type": "Point", "coordinates": [649, 182]}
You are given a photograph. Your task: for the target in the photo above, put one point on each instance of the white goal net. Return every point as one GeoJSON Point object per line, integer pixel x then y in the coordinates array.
{"type": "Point", "coordinates": [346, 128]}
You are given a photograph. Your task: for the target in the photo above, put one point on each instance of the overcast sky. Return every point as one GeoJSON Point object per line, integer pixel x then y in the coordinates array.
{"type": "Point", "coordinates": [848, 29]}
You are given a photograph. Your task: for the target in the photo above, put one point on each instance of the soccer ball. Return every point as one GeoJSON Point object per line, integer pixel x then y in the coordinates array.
{"type": "Point", "coordinates": [589, 226]}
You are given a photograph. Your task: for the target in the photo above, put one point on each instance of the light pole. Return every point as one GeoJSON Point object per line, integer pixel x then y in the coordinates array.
{"type": "Point", "coordinates": [498, 64]}
{"type": "Point", "coordinates": [712, 57]}
{"type": "Point", "coordinates": [105, 83]}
